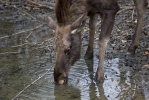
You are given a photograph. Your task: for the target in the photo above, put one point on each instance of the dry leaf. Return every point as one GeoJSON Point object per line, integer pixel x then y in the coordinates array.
{"type": "Point", "coordinates": [135, 21]}
{"type": "Point", "coordinates": [36, 8]}
{"type": "Point", "coordinates": [126, 34]}
{"type": "Point", "coordinates": [124, 41]}
{"type": "Point", "coordinates": [145, 66]}
{"type": "Point", "coordinates": [28, 8]}
{"type": "Point", "coordinates": [146, 52]}
{"type": "Point", "coordinates": [113, 45]}
{"type": "Point", "coordinates": [128, 87]}
{"type": "Point", "coordinates": [129, 21]}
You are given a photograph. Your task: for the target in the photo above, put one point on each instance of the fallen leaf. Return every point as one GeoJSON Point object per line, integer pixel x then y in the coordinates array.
{"type": "Point", "coordinates": [147, 34]}
{"type": "Point", "coordinates": [117, 80]}
{"type": "Point", "coordinates": [129, 21]}
{"type": "Point", "coordinates": [126, 34]}
{"type": "Point", "coordinates": [119, 31]}
{"type": "Point", "coordinates": [147, 48]}
{"type": "Point", "coordinates": [28, 8]}
{"type": "Point", "coordinates": [135, 21]}
{"type": "Point", "coordinates": [145, 66]}
{"type": "Point", "coordinates": [146, 52]}
{"type": "Point", "coordinates": [113, 45]}
{"type": "Point", "coordinates": [36, 8]}
{"type": "Point", "coordinates": [96, 38]}
{"type": "Point", "coordinates": [124, 45]}
{"type": "Point", "coordinates": [128, 87]}
{"type": "Point", "coordinates": [124, 41]}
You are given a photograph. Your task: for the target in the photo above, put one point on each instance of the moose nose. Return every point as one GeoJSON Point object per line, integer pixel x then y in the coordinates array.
{"type": "Point", "coordinates": [62, 81]}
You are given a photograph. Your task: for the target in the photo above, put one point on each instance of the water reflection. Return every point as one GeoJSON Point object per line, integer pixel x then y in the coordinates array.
{"type": "Point", "coordinates": [114, 87]}
{"type": "Point", "coordinates": [66, 92]}
{"type": "Point", "coordinates": [82, 77]}
{"type": "Point", "coordinates": [108, 89]}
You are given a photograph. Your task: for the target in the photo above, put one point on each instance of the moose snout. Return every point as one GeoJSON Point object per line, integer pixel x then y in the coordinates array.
{"type": "Point", "coordinates": [62, 81]}
{"type": "Point", "coordinates": [60, 78]}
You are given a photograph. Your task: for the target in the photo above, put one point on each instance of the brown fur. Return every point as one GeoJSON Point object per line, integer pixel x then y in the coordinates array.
{"type": "Point", "coordinates": [98, 6]}
{"type": "Point", "coordinates": [67, 11]}
{"type": "Point", "coordinates": [67, 45]}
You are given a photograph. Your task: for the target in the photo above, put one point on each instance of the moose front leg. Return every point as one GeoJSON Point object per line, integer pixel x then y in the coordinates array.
{"type": "Point", "coordinates": [141, 6]}
{"type": "Point", "coordinates": [107, 18]}
{"type": "Point", "coordinates": [92, 28]}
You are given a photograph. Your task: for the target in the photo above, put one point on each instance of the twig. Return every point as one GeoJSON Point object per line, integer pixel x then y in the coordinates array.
{"type": "Point", "coordinates": [23, 31]}
{"type": "Point", "coordinates": [40, 5]}
{"type": "Point", "coordinates": [124, 8]}
{"type": "Point", "coordinates": [9, 2]}
{"type": "Point", "coordinates": [132, 14]}
{"type": "Point", "coordinates": [26, 13]}
{"type": "Point", "coordinates": [20, 45]}
{"type": "Point", "coordinates": [32, 83]}
{"type": "Point", "coordinates": [9, 53]}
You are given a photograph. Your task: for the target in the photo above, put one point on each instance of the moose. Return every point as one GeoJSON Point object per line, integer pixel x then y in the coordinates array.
{"type": "Point", "coordinates": [71, 15]}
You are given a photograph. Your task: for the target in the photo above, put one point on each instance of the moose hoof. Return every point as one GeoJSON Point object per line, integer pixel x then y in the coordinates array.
{"type": "Point", "coordinates": [99, 78]}
{"type": "Point", "coordinates": [88, 56]}
{"type": "Point", "coordinates": [130, 51]}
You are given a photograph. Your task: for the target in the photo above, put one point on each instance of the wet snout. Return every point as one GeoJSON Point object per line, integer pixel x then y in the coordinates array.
{"type": "Point", "coordinates": [60, 78]}
{"type": "Point", "coordinates": [60, 70]}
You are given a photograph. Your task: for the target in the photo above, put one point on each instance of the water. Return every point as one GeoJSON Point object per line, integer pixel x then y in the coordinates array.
{"type": "Point", "coordinates": [20, 70]}
{"type": "Point", "coordinates": [24, 60]}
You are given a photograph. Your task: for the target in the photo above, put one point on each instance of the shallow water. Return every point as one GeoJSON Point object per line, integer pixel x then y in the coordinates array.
{"type": "Point", "coordinates": [24, 60]}
{"type": "Point", "coordinates": [20, 70]}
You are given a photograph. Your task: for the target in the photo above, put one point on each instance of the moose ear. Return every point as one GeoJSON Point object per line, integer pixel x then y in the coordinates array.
{"type": "Point", "coordinates": [78, 22]}
{"type": "Point", "coordinates": [51, 23]}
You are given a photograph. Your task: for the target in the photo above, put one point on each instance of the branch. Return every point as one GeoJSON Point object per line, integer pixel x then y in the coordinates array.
{"type": "Point", "coordinates": [9, 53]}
{"type": "Point", "coordinates": [27, 14]}
{"type": "Point", "coordinates": [32, 83]}
{"type": "Point", "coordinates": [124, 8]}
{"type": "Point", "coordinates": [23, 31]}
{"type": "Point", "coordinates": [40, 5]}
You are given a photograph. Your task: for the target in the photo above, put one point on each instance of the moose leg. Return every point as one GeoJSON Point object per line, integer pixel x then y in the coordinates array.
{"type": "Point", "coordinates": [141, 6]}
{"type": "Point", "coordinates": [92, 28]}
{"type": "Point", "coordinates": [107, 21]}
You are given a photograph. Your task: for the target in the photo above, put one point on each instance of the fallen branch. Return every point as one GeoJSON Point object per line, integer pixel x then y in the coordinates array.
{"type": "Point", "coordinates": [32, 83]}
{"type": "Point", "coordinates": [124, 8]}
{"type": "Point", "coordinates": [9, 53]}
{"type": "Point", "coordinates": [145, 66]}
{"type": "Point", "coordinates": [40, 5]}
{"type": "Point", "coordinates": [23, 31]}
{"type": "Point", "coordinates": [27, 14]}
{"type": "Point", "coordinates": [19, 45]}
{"type": "Point", "coordinates": [10, 3]}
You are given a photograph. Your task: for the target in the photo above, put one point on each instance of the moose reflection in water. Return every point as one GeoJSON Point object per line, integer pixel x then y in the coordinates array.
{"type": "Point", "coordinates": [71, 16]}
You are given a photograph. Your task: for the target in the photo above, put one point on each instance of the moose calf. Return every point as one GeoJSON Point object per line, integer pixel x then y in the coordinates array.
{"type": "Point", "coordinates": [71, 16]}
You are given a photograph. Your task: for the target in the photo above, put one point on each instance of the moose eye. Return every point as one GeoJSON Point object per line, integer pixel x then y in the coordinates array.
{"type": "Point", "coordinates": [67, 51]}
